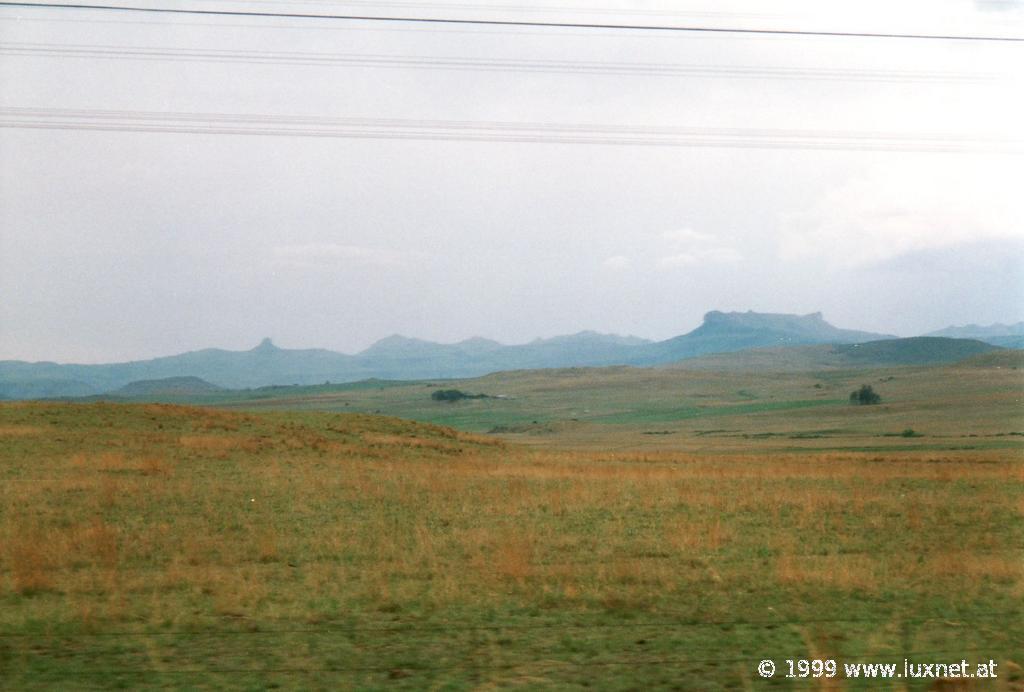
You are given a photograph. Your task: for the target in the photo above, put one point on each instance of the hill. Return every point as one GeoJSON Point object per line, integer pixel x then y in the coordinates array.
{"type": "Point", "coordinates": [703, 410]}
{"type": "Point", "coordinates": [168, 386]}
{"type": "Point", "coordinates": [777, 359]}
{"type": "Point", "coordinates": [918, 350]}
{"type": "Point", "coordinates": [1002, 358]}
{"type": "Point", "coordinates": [403, 358]}
{"type": "Point", "coordinates": [1007, 341]}
{"type": "Point", "coordinates": [881, 353]}
{"type": "Point", "coordinates": [29, 385]}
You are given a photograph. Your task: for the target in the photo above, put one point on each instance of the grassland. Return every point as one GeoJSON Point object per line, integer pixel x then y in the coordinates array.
{"type": "Point", "coordinates": [971, 405]}
{"type": "Point", "coordinates": [668, 538]}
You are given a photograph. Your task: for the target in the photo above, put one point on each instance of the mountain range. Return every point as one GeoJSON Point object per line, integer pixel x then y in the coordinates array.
{"type": "Point", "coordinates": [1005, 335]}
{"type": "Point", "coordinates": [398, 357]}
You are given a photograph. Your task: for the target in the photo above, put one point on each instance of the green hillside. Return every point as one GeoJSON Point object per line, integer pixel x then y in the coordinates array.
{"type": "Point", "coordinates": [881, 353]}
{"type": "Point", "coordinates": [168, 386]}
{"type": "Point", "coordinates": [919, 350]}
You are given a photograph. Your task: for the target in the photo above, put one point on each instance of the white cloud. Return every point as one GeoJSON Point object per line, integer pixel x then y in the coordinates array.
{"type": "Point", "coordinates": [907, 206]}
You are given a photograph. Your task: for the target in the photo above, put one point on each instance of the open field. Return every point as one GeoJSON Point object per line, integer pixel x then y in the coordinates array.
{"type": "Point", "coordinates": [976, 404]}
{"type": "Point", "coordinates": [164, 546]}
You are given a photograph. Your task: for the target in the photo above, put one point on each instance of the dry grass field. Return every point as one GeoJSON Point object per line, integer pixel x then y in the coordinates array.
{"type": "Point", "coordinates": [147, 546]}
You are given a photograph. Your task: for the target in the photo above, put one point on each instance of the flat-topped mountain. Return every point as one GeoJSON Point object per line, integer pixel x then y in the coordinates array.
{"type": "Point", "coordinates": [724, 332]}
{"type": "Point", "coordinates": [403, 358]}
{"type": "Point", "coordinates": [782, 326]}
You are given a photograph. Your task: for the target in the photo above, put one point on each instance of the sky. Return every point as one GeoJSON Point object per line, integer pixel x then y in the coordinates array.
{"type": "Point", "coordinates": [510, 183]}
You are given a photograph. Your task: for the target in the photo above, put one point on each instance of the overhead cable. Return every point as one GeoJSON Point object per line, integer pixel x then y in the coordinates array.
{"type": "Point", "coordinates": [481, 64]}
{"type": "Point", "coordinates": [508, 23]}
{"type": "Point", "coordinates": [494, 131]}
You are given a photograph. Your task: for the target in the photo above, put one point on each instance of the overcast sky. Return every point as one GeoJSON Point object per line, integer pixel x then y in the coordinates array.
{"type": "Point", "coordinates": [118, 245]}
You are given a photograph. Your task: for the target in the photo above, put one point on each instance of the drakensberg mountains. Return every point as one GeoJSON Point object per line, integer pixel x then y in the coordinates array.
{"type": "Point", "coordinates": [398, 357]}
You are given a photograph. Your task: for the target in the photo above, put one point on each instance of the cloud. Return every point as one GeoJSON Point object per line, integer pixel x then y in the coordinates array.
{"type": "Point", "coordinates": [325, 255]}
{"type": "Point", "coordinates": [906, 207]}
{"type": "Point", "coordinates": [688, 247]}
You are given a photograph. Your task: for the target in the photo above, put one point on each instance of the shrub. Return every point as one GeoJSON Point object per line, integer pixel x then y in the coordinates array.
{"type": "Point", "coordinates": [454, 395]}
{"type": "Point", "coordinates": [864, 396]}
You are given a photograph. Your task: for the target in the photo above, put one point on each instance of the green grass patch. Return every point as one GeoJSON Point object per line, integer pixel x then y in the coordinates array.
{"type": "Point", "coordinates": [642, 415]}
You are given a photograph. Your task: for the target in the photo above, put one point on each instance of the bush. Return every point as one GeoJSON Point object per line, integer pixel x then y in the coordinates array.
{"type": "Point", "coordinates": [447, 395]}
{"type": "Point", "coordinates": [864, 396]}
{"type": "Point", "coordinates": [454, 395]}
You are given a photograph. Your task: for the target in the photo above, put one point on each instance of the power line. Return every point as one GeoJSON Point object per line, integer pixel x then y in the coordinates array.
{"type": "Point", "coordinates": [379, 28]}
{"type": "Point", "coordinates": [253, 57]}
{"type": "Point", "coordinates": [506, 22]}
{"type": "Point", "coordinates": [484, 131]}
{"type": "Point", "coordinates": [548, 9]}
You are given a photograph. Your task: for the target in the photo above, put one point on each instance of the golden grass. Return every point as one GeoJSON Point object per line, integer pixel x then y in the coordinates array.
{"type": "Point", "coordinates": [29, 561]}
{"type": "Point", "coordinates": [20, 430]}
{"type": "Point", "coordinates": [168, 517]}
{"type": "Point", "coordinates": [846, 573]}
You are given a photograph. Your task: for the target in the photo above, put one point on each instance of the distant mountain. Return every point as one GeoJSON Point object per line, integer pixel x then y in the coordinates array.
{"type": "Point", "coordinates": [724, 332]}
{"type": "Point", "coordinates": [477, 345]}
{"type": "Point", "coordinates": [30, 386]}
{"type": "Point", "coordinates": [403, 358]}
{"type": "Point", "coordinates": [1005, 341]}
{"type": "Point", "coordinates": [591, 339]}
{"type": "Point", "coordinates": [265, 364]}
{"type": "Point", "coordinates": [583, 348]}
{"type": "Point", "coordinates": [784, 328]}
{"type": "Point", "coordinates": [167, 386]}
{"type": "Point", "coordinates": [399, 357]}
{"type": "Point", "coordinates": [1006, 335]}
{"type": "Point", "coordinates": [398, 346]}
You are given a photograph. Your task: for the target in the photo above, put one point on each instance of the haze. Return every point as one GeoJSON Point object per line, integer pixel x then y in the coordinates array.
{"type": "Point", "coordinates": [120, 245]}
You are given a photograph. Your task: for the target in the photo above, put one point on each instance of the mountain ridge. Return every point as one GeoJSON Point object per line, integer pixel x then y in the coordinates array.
{"type": "Point", "coordinates": [403, 358]}
{"type": "Point", "coordinates": [997, 334]}
{"type": "Point", "coordinates": [977, 331]}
